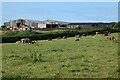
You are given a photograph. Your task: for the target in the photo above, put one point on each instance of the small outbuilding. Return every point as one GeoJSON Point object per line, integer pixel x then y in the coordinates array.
{"type": "Point", "coordinates": [26, 40]}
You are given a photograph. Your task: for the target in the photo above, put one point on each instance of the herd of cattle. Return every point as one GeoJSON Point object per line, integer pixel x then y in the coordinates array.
{"type": "Point", "coordinates": [108, 36]}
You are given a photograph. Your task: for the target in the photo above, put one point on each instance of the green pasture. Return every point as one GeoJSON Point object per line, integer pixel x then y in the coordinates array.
{"type": "Point", "coordinates": [61, 58]}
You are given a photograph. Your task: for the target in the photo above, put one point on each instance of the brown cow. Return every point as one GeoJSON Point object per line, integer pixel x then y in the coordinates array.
{"type": "Point", "coordinates": [33, 42]}
{"type": "Point", "coordinates": [112, 38]}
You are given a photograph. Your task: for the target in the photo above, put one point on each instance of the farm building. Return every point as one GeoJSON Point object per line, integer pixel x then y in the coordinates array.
{"type": "Point", "coordinates": [35, 24]}
{"type": "Point", "coordinates": [52, 24]}
{"type": "Point", "coordinates": [85, 25]}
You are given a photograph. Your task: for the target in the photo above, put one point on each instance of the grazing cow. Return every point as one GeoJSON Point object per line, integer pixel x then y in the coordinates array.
{"type": "Point", "coordinates": [26, 40]}
{"type": "Point", "coordinates": [112, 38]}
{"type": "Point", "coordinates": [33, 42]}
{"type": "Point", "coordinates": [64, 37]}
{"type": "Point", "coordinates": [97, 33]}
{"type": "Point", "coordinates": [76, 39]}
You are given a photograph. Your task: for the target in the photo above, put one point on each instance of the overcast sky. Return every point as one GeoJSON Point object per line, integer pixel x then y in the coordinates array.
{"type": "Point", "coordinates": [63, 11]}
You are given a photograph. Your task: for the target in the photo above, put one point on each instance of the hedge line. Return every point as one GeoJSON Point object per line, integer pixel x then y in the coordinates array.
{"type": "Point", "coordinates": [7, 38]}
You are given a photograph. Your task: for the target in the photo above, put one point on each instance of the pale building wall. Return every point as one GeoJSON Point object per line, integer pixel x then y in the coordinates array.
{"type": "Point", "coordinates": [41, 25]}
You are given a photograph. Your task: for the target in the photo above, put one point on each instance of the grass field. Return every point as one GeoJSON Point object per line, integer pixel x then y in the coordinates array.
{"type": "Point", "coordinates": [88, 58]}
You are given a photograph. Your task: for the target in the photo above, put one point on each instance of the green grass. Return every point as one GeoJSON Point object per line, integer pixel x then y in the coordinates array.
{"type": "Point", "coordinates": [88, 58]}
